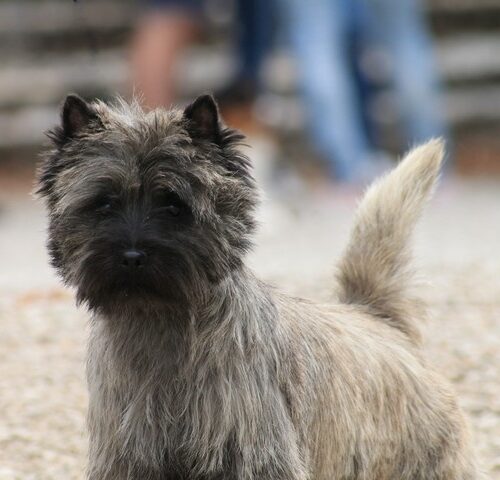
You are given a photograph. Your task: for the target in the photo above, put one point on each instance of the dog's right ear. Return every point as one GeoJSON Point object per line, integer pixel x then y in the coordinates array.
{"type": "Point", "coordinates": [76, 115]}
{"type": "Point", "coordinates": [203, 119]}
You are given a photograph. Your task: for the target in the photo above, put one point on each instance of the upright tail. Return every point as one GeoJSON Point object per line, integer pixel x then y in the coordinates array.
{"type": "Point", "coordinates": [375, 269]}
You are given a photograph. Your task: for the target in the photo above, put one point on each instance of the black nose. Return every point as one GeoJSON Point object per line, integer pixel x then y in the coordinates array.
{"type": "Point", "coordinates": [133, 258]}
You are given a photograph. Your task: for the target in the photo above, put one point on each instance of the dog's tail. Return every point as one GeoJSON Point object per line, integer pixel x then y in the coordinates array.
{"type": "Point", "coordinates": [375, 270]}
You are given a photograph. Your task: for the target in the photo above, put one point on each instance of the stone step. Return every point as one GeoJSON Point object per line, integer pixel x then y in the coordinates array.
{"type": "Point", "coordinates": [24, 24]}
{"type": "Point", "coordinates": [34, 79]}
{"type": "Point", "coordinates": [37, 18]}
{"type": "Point", "coordinates": [25, 127]}
{"type": "Point", "coordinates": [469, 57]}
{"type": "Point", "coordinates": [473, 105]}
{"type": "Point", "coordinates": [104, 73]}
{"type": "Point", "coordinates": [463, 6]}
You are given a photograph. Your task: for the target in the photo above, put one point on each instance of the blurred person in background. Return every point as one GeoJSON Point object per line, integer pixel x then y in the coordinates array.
{"type": "Point", "coordinates": [346, 51]}
{"type": "Point", "coordinates": [338, 45]}
{"type": "Point", "coordinates": [255, 25]}
{"type": "Point", "coordinates": [166, 28]}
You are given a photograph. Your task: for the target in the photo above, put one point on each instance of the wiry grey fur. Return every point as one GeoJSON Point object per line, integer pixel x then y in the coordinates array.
{"type": "Point", "coordinates": [233, 380]}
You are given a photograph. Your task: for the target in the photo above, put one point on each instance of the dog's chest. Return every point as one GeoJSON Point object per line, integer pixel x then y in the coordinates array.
{"type": "Point", "coordinates": [160, 412]}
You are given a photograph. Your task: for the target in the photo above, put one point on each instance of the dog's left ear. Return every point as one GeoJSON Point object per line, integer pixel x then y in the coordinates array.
{"type": "Point", "coordinates": [203, 119]}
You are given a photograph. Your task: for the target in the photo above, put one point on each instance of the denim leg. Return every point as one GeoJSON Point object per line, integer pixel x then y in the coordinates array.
{"type": "Point", "coordinates": [318, 32]}
{"type": "Point", "coordinates": [399, 27]}
{"type": "Point", "coordinates": [255, 18]}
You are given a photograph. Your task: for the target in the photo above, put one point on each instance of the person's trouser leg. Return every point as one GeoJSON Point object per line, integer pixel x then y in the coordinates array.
{"type": "Point", "coordinates": [162, 33]}
{"type": "Point", "coordinates": [256, 23]}
{"type": "Point", "coordinates": [398, 26]}
{"type": "Point", "coordinates": [318, 32]}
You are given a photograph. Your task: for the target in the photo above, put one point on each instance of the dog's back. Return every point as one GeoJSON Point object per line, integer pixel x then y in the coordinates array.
{"type": "Point", "coordinates": [380, 412]}
{"type": "Point", "coordinates": [377, 410]}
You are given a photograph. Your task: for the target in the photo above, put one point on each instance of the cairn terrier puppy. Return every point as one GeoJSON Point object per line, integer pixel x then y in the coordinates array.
{"type": "Point", "coordinates": [198, 370]}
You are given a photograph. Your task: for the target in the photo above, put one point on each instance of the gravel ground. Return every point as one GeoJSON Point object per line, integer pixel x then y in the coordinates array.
{"type": "Point", "coordinates": [43, 397]}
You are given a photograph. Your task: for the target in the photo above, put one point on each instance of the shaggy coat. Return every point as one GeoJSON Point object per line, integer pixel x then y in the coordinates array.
{"type": "Point", "coordinates": [196, 369]}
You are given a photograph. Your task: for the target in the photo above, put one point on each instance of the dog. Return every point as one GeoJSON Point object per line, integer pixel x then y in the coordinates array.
{"type": "Point", "coordinates": [197, 369]}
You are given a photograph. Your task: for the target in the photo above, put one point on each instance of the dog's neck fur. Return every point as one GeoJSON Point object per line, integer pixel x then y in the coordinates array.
{"type": "Point", "coordinates": [182, 363]}
{"type": "Point", "coordinates": [239, 307]}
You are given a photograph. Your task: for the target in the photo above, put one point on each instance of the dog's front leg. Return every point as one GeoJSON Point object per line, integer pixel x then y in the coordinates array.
{"type": "Point", "coordinates": [121, 469]}
{"type": "Point", "coordinates": [274, 472]}
{"type": "Point", "coordinates": [287, 465]}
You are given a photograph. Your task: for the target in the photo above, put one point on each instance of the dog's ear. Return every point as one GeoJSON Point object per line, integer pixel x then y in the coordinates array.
{"type": "Point", "coordinates": [76, 115]}
{"type": "Point", "coordinates": [203, 120]}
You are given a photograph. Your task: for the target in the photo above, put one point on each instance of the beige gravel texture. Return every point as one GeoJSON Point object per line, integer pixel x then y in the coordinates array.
{"type": "Point", "coordinates": [42, 341]}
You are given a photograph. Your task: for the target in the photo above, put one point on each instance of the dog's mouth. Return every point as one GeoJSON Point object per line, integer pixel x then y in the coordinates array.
{"type": "Point", "coordinates": [113, 287]}
{"type": "Point", "coordinates": [121, 285]}
{"type": "Point", "coordinates": [112, 296]}
{"type": "Point", "coordinates": [104, 279]}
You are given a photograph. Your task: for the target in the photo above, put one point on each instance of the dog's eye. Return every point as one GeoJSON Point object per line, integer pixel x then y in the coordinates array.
{"type": "Point", "coordinates": [173, 210]}
{"type": "Point", "coordinates": [172, 204]}
{"type": "Point", "coordinates": [102, 204]}
{"type": "Point", "coordinates": [106, 205]}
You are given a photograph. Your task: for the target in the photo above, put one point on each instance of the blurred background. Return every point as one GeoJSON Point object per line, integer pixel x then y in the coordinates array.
{"type": "Point", "coordinates": [329, 93]}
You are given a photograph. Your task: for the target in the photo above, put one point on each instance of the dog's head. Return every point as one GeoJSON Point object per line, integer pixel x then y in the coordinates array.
{"type": "Point", "coordinates": [145, 206]}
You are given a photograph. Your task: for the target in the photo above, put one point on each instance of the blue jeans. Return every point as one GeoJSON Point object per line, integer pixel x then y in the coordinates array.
{"type": "Point", "coordinates": [255, 19]}
{"type": "Point", "coordinates": [191, 5]}
{"type": "Point", "coordinates": [321, 35]}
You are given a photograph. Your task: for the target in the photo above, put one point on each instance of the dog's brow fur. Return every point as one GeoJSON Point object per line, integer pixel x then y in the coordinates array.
{"type": "Point", "coordinates": [208, 373]}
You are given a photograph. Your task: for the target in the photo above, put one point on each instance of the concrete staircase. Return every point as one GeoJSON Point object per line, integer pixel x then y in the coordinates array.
{"type": "Point", "coordinates": [51, 47]}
